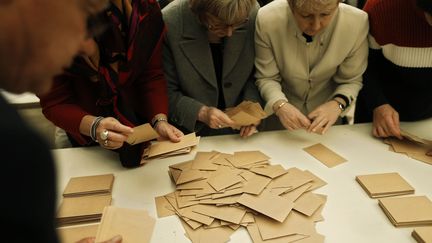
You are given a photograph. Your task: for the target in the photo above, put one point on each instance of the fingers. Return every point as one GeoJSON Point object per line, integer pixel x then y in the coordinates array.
{"type": "Point", "coordinates": [87, 240]}
{"type": "Point", "coordinates": [247, 131]}
{"type": "Point", "coordinates": [111, 134]}
{"type": "Point", "coordinates": [317, 124]}
{"type": "Point", "coordinates": [115, 239]}
{"type": "Point", "coordinates": [429, 153]}
{"type": "Point", "coordinates": [218, 119]}
{"type": "Point", "coordinates": [168, 131]}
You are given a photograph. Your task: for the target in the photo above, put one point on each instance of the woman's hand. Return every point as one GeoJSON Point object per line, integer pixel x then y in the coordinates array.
{"type": "Point", "coordinates": [168, 131]}
{"type": "Point", "coordinates": [115, 239]}
{"type": "Point", "coordinates": [324, 116]}
{"type": "Point", "coordinates": [386, 122]}
{"type": "Point", "coordinates": [291, 118]}
{"type": "Point", "coordinates": [214, 118]}
{"type": "Point", "coordinates": [111, 134]}
{"type": "Point", "coordinates": [247, 131]}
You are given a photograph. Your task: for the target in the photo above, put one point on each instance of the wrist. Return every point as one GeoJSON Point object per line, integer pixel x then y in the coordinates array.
{"type": "Point", "coordinates": [340, 103]}
{"type": "Point", "coordinates": [202, 113]}
{"type": "Point", "coordinates": [157, 119]}
{"type": "Point", "coordinates": [278, 105]}
{"type": "Point", "coordinates": [94, 126]}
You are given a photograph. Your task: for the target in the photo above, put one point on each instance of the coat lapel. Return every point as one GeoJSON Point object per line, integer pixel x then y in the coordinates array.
{"type": "Point", "coordinates": [233, 48]}
{"type": "Point", "coordinates": [195, 46]}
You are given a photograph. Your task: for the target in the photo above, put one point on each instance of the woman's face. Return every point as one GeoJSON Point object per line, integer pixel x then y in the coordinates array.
{"type": "Point", "coordinates": [312, 17]}
{"type": "Point", "coordinates": [221, 29]}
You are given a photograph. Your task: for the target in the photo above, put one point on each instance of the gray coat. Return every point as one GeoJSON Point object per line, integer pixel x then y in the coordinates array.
{"type": "Point", "coordinates": [189, 69]}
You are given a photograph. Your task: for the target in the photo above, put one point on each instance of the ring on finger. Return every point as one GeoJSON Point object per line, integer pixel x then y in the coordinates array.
{"type": "Point", "coordinates": [105, 143]}
{"type": "Point", "coordinates": [219, 126]}
{"type": "Point", "coordinates": [104, 135]}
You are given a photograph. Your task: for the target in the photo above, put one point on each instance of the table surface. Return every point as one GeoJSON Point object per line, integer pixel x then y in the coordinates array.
{"type": "Point", "coordinates": [24, 100]}
{"type": "Point", "coordinates": [350, 215]}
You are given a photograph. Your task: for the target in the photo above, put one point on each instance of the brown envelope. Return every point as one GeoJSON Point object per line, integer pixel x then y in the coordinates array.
{"type": "Point", "coordinates": [408, 211]}
{"type": "Point", "coordinates": [163, 147]}
{"type": "Point", "coordinates": [385, 184]}
{"type": "Point", "coordinates": [76, 233]}
{"type": "Point", "coordinates": [423, 234]}
{"type": "Point", "coordinates": [133, 225]}
{"type": "Point", "coordinates": [87, 185]}
{"type": "Point", "coordinates": [142, 133]}
{"type": "Point", "coordinates": [325, 155]}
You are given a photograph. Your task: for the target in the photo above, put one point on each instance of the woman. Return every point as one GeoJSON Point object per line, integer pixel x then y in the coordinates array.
{"type": "Point", "coordinates": [122, 85]}
{"type": "Point", "coordinates": [208, 61]}
{"type": "Point", "coordinates": [310, 57]}
{"type": "Point", "coordinates": [397, 82]}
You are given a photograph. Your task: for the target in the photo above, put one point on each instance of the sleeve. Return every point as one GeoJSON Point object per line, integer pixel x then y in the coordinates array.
{"type": "Point", "coordinates": [372, 84]}
{"type": "Point", "coordinates": [61, 108]}
{"type": "Point", "coordinates": [349, 74]}
{"type": "Point", "coordinates": [251, 92]}
{"type": "Point", "coordinates": [151, 84]}
{"type": "Point", "coordinates": [267, 74]}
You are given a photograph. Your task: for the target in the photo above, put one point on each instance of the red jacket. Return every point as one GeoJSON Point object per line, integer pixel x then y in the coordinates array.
{"type": "Point", "coordinates": [134, 94]}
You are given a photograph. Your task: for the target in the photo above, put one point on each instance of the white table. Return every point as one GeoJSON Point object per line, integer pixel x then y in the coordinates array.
{"type": "Point", "coordinates": [350, 215]}
{"type": "Point", "coordinates": [21, 101]}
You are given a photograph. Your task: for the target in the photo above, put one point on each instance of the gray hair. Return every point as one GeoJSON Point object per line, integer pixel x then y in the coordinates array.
{"type": "Point", "coordinates": [229, 11]}
{"type": "Point", "coordinates": [311, 4]}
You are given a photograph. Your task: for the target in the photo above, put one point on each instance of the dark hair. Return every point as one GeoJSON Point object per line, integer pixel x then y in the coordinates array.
{"type": "Point", "coordinates": [425, 5]}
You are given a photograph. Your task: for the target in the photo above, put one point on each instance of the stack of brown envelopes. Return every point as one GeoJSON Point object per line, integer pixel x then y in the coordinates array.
{"type": "Point", "coordinates": [163, 149]}
{"type": "Point", "coordinates": [84, 199]}
{"type": "Point", "coordinates": [408, 211]}
{"type": "Point", "coordinates": [384, 185]}
{"type": "Point", "coordinates": [422, 234]}
{"type": "Point", "coordinates": [245, 114]}
{"type": "Point", "coordinates": [412, 146]}
{"type": "Point", "coordinates": [217, 193]}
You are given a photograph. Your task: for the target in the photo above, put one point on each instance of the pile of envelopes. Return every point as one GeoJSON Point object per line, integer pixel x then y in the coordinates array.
{"type": "Point", "coordinates": [163, 149]}
{"type": "Point", "coordinates": [216, 193]}
{"type": "Point", "coordinates": [84, 199]}
{"type": "Point", "coordinates": [407, 211]}
{"type": "Point", "coordinates": [384, 185]}
{"type": "Point", "coordinates": [422, 234]}
{"type": "Point", "coordinates": [245, 114]}
{"type": "Point", "coordinates": [413, 146]}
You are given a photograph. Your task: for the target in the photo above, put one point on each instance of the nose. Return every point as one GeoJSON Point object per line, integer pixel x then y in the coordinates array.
{"type": "Point", "coordinates": [87, 47]}
{"type": "Point", "coordinates": [315, 24]}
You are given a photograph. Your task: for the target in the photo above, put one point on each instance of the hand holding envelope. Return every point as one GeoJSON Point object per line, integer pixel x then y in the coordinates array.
{"type": "Point", "coordinates": [245, 114]}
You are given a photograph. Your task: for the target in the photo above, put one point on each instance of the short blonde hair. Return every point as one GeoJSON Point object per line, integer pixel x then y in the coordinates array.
{"type": "Point", "coordinates": [313, 5]}
{"type": "Point", "coordinates": [229, 11]}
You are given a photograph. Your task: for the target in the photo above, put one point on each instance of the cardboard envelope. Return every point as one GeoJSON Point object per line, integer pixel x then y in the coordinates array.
{"type": "Point", "coordinates": [142, 133]}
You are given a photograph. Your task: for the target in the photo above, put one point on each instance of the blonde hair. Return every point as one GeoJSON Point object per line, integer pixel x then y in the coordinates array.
{"type": "Point", "coordinates": [229, 11]}
{"type": "Point", "coordinates": [312, 5]}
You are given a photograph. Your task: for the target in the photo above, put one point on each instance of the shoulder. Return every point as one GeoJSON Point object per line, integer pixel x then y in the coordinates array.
{"type": "Point", "coordinates": [353, 15]}
{"type": "Point", "coordinates": [173, 10]}
{"type": "Point", "coordinates": [273, 14]}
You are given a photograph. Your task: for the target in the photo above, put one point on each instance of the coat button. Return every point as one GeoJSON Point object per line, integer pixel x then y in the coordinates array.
{"type": "Point", "coordinates": [227, 85]}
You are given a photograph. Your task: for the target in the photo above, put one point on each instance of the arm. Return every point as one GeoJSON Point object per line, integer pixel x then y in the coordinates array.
{"type": "Point", "coordinates": [269, 81]}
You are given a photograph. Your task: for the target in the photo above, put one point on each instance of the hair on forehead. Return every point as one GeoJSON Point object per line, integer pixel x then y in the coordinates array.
{"type": "Point", "coordinates": [229, 11]}
{"type": "Point", "coordinates": [313, 5]}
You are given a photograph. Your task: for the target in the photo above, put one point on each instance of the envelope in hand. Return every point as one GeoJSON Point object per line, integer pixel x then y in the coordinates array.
{"type": "Point", "coordinates": [142, 133]}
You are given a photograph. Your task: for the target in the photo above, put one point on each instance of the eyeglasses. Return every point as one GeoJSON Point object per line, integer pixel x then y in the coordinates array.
{"type": "Point", "coordinates": [215, 24]}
